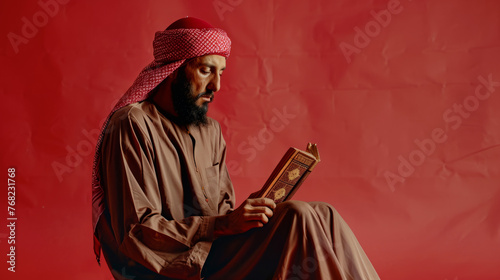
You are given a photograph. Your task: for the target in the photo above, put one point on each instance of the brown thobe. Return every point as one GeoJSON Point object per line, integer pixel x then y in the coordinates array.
{"type": "Point", "coordinates": [164, 184]}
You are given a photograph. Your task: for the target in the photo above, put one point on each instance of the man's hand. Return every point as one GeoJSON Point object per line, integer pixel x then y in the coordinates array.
{"type": "Point", "coordinates": [254, 212]}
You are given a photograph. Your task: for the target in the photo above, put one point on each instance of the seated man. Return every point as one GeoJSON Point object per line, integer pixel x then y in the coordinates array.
{"type": "Point", "coordinates": [163, 202]}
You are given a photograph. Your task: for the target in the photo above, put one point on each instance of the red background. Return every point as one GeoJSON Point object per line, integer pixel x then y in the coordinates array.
{"type": "Point", "coordinates": [288, 82]}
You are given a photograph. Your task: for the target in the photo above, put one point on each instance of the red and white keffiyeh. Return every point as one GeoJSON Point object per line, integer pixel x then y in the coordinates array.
{"type": "Point", "coordinates": [184, 39]}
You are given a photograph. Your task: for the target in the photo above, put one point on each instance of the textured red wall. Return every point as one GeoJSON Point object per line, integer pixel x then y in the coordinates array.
{"type": "Point", "coordinates": [402, 98]}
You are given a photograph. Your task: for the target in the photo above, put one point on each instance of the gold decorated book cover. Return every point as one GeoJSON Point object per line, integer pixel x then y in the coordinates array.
{"type": "Point", "coordinates": [290, 173]}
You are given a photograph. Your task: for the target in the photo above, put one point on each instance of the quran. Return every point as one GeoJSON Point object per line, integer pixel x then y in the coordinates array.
{"type": "Point", "coordinates": [290, 173]}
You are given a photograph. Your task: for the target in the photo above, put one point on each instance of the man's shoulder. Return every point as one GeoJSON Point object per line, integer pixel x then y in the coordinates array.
{"type": "Point", "coordinates": [135, 111]}
{"type": "Point", "coordinates": [213, 123]}
{"type": "Point", "coordinates": [212, 126]}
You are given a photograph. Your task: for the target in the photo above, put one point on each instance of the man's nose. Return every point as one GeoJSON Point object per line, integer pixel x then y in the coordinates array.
{"type": "Point", "coordinates": [214, 84]}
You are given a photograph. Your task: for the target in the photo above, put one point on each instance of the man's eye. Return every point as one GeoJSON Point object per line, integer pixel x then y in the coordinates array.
{"type": "Point", "coordinates": [204, 71]}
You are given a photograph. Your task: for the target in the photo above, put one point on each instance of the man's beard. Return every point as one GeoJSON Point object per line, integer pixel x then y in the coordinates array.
{"type": "Point", "coordinates": [184, 101]}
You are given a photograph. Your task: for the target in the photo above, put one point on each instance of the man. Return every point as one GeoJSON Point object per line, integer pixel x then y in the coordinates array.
{"type": "Point", "coordinates": [163, 203]}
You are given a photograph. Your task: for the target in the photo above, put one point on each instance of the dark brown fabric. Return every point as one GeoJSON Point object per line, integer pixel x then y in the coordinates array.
{"type": "Point", "coordinates": [301, 241]}
{"type": "Point", "coordinates": [164, 185]}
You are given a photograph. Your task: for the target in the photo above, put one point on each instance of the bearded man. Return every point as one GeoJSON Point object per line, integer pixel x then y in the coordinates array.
{"type": "Point", "coordinates": [163, 202]}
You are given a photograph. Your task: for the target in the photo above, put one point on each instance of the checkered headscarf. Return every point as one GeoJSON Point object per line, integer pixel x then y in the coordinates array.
{"type": "Point", "coordinates": [184, 39]}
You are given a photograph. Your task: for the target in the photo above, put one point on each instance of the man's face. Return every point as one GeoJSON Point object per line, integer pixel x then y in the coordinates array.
{"type": "Point", "coordinates": [194, 88]}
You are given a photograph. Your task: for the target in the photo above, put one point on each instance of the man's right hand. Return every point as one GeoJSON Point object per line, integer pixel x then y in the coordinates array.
{"type": "Point", "coordinates": [252, 213]}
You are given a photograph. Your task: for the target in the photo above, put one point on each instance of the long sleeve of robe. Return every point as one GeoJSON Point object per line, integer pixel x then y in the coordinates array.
{"type": "Point", "coordinates": [164, 185]}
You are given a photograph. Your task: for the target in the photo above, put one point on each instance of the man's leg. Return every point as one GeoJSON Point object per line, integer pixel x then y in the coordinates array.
{"type": "Point", "coordinates": [353, 260]}
{"type": "Point", "coordinates": [301, 241]}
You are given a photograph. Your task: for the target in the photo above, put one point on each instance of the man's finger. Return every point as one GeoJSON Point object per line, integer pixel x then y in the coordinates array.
{"type": "Point", "coordinates": [262, 201]}
{"type": "Point", "coordinates": [261, 217]}
{"type": "Point", "coordinates": [262, 209]}
{"type": "Point", "coordinates": [254, 224]}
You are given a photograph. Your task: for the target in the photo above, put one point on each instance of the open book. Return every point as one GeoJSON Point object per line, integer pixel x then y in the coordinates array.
{"type": "Point", "coordinates": [290, 173]}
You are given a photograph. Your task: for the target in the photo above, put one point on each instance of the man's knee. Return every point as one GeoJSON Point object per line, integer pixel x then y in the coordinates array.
{"type": "Point", "coordinates": [301, 207]}
{"type": "Point", "coordinates": [295, 207]}
{"type": "Point", "coordinates": [323, 207]}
